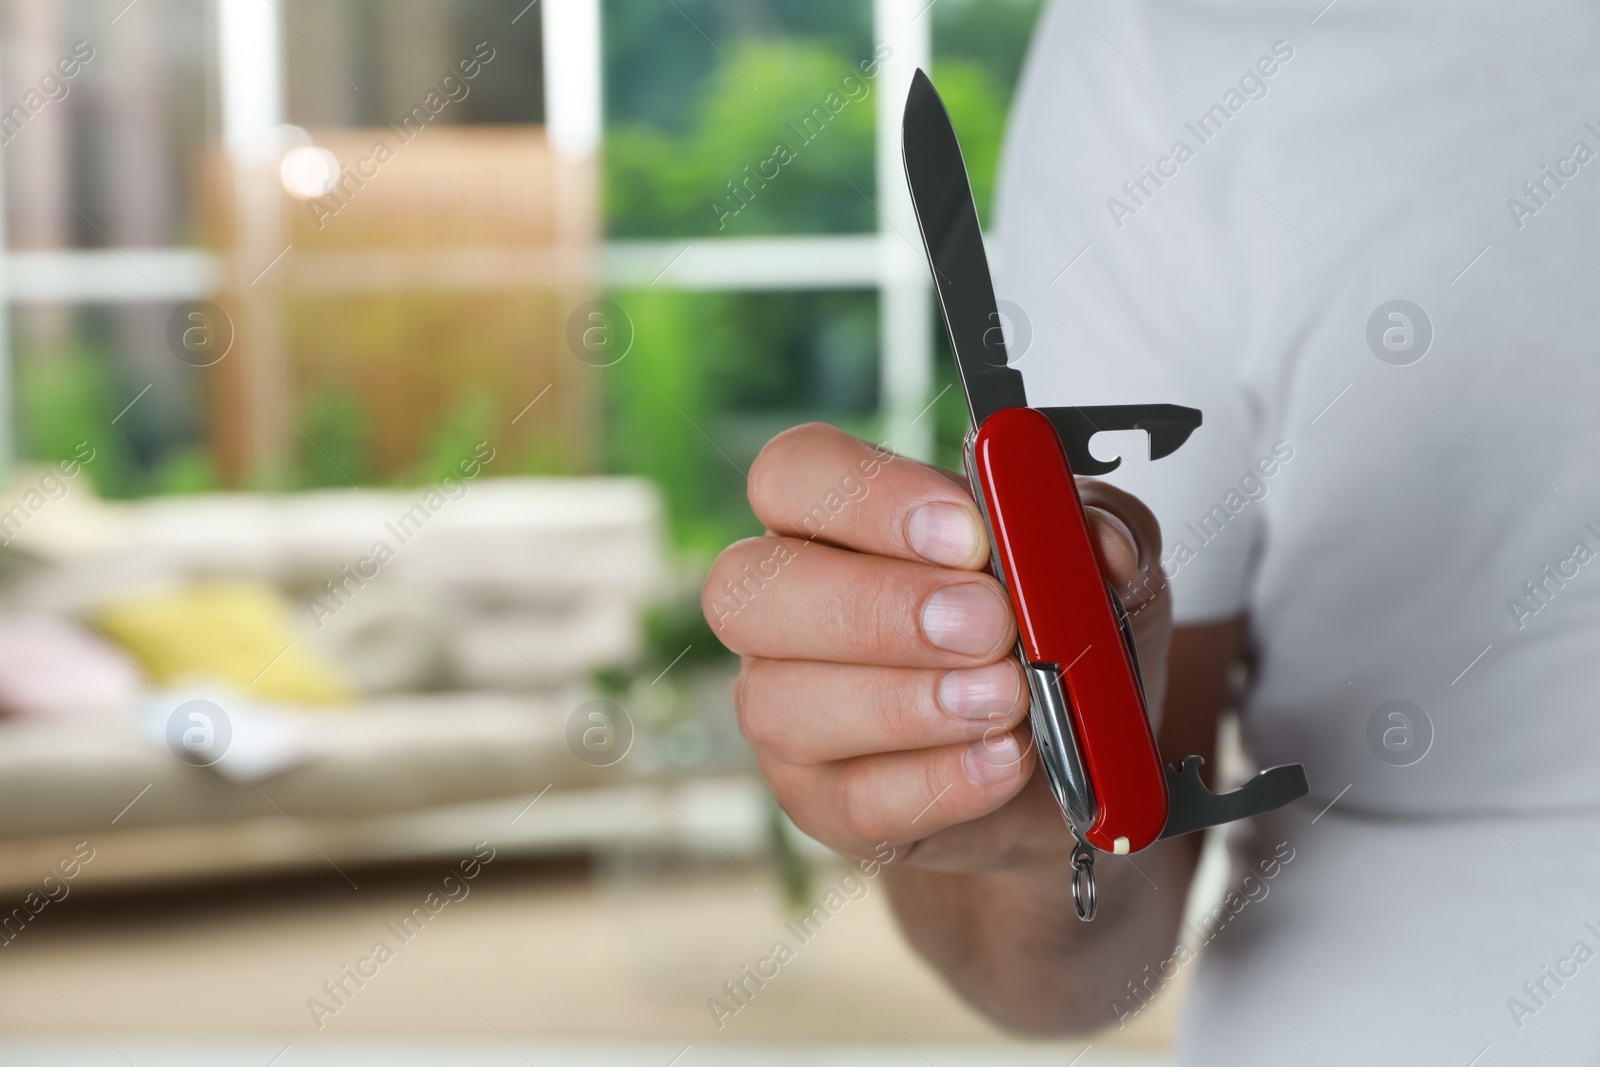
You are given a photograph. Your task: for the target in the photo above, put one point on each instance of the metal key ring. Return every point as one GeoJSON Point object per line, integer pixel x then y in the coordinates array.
{"type": "Point", "coordinates": [1084, 898]}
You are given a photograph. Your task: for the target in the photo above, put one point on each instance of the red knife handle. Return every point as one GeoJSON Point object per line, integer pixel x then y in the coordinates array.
{"type": "Point", "coordinates": [1046, 557]}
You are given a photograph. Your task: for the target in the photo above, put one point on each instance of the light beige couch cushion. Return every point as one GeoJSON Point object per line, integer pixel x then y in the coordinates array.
{"type": "Point", "coordinates": [398, 754]}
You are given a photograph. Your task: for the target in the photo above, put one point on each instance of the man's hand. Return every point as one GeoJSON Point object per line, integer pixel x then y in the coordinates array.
{"type": "Point", "coordinates": [879, 689]}
{"type": "Point", "coordinates": [884, 704]}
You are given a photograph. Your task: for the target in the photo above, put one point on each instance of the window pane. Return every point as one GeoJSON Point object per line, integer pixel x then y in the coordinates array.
{"type": "Point", "coordinates": [712, 376]}
{"type": "Point", "coordinates": [99, 376]}
{"type": "Point", "coordinates": [738, 118]}
{"type": "Point", "coordinates": [103, 122]}
{"type": "Point", "coordinates": [370, 62]}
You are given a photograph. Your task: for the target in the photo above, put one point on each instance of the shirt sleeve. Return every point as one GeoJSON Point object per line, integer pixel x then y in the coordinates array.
{"type": "Point", "coordinates": [1129, 294]}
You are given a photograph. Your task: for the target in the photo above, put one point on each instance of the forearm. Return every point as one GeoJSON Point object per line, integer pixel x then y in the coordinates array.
{"type": "Point", "coordinates": [1010, 943]}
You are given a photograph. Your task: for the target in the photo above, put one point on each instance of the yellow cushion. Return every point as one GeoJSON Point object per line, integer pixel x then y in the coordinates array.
{"type": "Point", "coordinates": [237, 632]}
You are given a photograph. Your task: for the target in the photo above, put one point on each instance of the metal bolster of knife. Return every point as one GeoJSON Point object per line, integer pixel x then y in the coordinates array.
{"type": "Point", "coordinates": [1058, 746]}
{"type": "Point", "coordinates": [1191, 806]}
{"type": "Point", "coordinates": [1169, 426]}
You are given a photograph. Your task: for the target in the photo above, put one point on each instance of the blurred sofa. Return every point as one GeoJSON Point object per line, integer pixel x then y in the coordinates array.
{"type": "Point", "coordinates": [469, 646]}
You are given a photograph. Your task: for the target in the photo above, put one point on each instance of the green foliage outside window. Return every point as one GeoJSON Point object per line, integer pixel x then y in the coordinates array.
{"type": "Point", "coordinates": [712, 376]}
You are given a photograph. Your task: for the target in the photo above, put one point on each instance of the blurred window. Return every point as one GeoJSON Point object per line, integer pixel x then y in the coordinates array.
{"type": "Point", "coordinates": [744, 223]}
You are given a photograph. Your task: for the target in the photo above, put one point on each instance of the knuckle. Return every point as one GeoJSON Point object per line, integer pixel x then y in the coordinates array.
{"type": "Point", "coordinates": [858, 804]}
{"type": "Point", "coordinates": [743, 707]}
{"type": "Point", "coordinates": [1133, 512]}
{"type": "Point", "coordinates": [795, 791]}
{"type": "Point", "coordinates": [777, 458]}
{"type": "Point", "coordinates": [932, 787]}
{"type": "Point", "coordinates": [757, 722]}
{"type": "Point", "coordinates": [758, 483]}
{"type": "Point", "coordinates": [712, 600]}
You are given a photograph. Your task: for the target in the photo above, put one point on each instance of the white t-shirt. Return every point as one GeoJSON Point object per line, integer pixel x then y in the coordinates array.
{"type": "Point", "coordinates": [1222, 204]}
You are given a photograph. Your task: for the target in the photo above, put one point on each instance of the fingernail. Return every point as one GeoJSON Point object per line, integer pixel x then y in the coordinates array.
{"type": "Point", "coordinates": [967, 618]}
{"type": "Point", "coordinates": [979, 692]}
{"type": "Point", "coordinates": [942, 533]}
{"type": "Point", "coordinates": [992, 758]}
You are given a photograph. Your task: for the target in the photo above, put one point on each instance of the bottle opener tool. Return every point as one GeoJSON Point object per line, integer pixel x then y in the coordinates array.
{"type": "Point", "coordinates": [1087, 705]}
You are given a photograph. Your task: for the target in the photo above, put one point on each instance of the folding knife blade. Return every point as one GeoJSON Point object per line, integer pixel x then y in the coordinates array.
{"type": "Point", "coordinates": [948, 219]}
{"type": "Point", "coordinates": [1191, 806]}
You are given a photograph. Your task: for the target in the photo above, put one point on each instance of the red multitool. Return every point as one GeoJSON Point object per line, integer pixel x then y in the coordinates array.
{"type": "Point", "coordinates": [1090, 724]}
